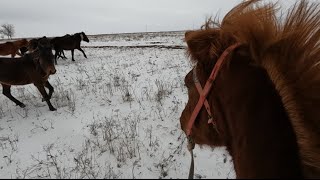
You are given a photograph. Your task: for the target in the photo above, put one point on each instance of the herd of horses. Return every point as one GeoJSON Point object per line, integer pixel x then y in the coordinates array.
{"type": "Point", "coordinates": [254, 87]}
{"type": "Point", "coordinates": [66, 42]}
{"type": "Point", "coordinates": [36, 63]}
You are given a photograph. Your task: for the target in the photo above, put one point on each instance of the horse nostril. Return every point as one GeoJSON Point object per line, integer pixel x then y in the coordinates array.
{"type": "Point", "coordinates": [53, 71]}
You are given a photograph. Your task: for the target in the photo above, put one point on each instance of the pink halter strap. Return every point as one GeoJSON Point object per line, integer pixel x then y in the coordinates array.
{"type": "Point", "coordinates": [204, 92]}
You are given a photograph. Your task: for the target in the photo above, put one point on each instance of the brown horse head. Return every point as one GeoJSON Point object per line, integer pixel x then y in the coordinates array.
{"type": "Point", "coordinates": [204, 48]}
{"type": "Point", "coordinates": [262, 104]}
{"type": "Point", "coordinates": [45, 56]}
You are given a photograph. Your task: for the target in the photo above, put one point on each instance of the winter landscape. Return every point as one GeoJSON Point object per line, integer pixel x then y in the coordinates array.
{"type": "Point", "coordinates": [117, 116]}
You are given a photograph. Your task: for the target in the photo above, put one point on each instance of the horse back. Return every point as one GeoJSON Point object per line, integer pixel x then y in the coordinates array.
{"type": "Point", "coordinates": [66, 42]}
{"type": "Point", "coordinates": [20, 43]}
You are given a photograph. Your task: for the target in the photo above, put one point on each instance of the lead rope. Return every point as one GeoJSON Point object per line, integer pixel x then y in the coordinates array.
{"type": "Point", "coordinates": [191, 145]}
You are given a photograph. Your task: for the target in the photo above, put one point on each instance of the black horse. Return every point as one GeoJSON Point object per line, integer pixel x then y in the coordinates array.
{"type": "Point", "coordinates": [69, 42]}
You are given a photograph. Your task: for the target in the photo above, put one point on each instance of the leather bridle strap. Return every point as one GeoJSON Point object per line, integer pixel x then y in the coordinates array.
{"type": "Point", "coordinates": [200, 90]}
{"type": "Point", "coordinates": [191, 145]}
{"type": "Point", "coordinates": [204, 93]}
{"type": "Point", "coordinates": [203, 101]}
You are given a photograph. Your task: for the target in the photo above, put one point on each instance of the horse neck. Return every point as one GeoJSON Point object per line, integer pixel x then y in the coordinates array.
{"type": "Point", "coordinates": [253, 123]}
{"type": "Point", "coordinates": [77, 36]}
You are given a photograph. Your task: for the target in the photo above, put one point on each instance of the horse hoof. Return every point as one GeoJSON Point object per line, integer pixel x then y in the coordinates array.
{"type": "Point", "coordinates": [53, 109]}
{"type": "Point", "coordinates": [22, 105]}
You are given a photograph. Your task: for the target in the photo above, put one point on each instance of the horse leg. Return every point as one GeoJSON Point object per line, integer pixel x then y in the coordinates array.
{"type": "Point", "coordinates": [59, 55]}
{"type": "Point", "coordinates": [82, 52]}
{"type": "Point", "coordinates": [51, 90]}
{"type": "Point", "coordinates": [7, 92]}
{"type": "Point", "coordinates": [45, 96]}
{"type": "Point", "coordinates": [72, 53]}
{"type": "Point", "coordinates": [55, 57]}
{"type": "Point", "coordinates": [64, 56]}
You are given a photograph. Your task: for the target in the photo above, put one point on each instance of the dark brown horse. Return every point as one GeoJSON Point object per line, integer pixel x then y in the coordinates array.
{"type": "Point", "coordinates": [259, 78]}
{"type": "Point", "coordinates": [35, 67]}
{"type": "Point", "coordinates": [33, 43]}
{"type": "Point", "coordinates": [12, 48]}
{"type": "Point", "coordinates": [69, 42]}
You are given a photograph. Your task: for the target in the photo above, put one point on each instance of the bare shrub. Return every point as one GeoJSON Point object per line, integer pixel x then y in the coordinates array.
{"type": "Point", "coordinates": [164, 90]}
{"type": "Point", "coordinates": [65, 98]}
{"type": "Point", "coordinates": [9, 147]}
{"type": "Point", "coordinates": [119, 139]}
{"type": "Point", "coordinates": [86, 164]}
{"type": "Point", "coordinates": [116, 81]}
{"type": "Point", "coordinates": [2, 114]}
{"type": "Point", "coordinates": [80, 83]}
{"type": "Point", "coordinates": [126, 94]}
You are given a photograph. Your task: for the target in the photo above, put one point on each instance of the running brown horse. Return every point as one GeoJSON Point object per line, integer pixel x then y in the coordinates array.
{"type": "Point", "coordinates": [35, 68]}
{"type": "Point", "coordinates": [12, 48]}
{"type": "Point", "coordinates": [69, 42]}
{"type": "Point", "coordinates": [254, 89]}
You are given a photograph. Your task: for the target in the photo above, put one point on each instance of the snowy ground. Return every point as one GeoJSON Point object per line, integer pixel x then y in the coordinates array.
{"type": "Point", "coordinates": [118, 116]}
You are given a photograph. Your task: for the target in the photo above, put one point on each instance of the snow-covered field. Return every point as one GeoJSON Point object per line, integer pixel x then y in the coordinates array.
{"type": "Point", "coordinates": [117, 116]}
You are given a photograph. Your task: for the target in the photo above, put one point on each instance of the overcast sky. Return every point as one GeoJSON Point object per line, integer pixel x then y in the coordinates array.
{"type": "Point", "coordinates": [34, 18]}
